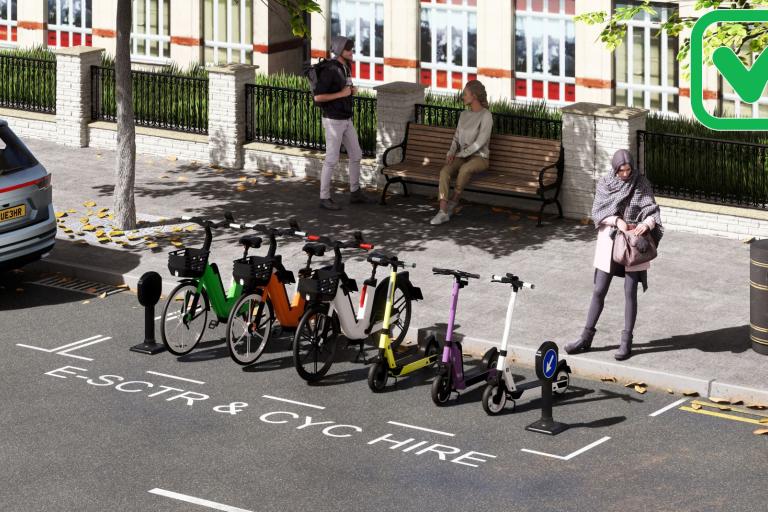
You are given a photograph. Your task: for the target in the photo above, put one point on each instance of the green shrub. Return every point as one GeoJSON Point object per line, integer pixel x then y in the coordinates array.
{"type": "Point", "coordinates": [28, 79]}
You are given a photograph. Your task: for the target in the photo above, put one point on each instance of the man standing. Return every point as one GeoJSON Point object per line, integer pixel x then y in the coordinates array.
{"type": "Point", "coordinates": [334, 93]}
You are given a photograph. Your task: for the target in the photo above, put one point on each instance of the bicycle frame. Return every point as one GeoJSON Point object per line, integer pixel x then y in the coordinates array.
{"type": "Point", "coordinates": [355, 324]}
{"type": "Point", "coordinates": [221, 301]}
{"type": "Point", "coordinates": [287, 312]}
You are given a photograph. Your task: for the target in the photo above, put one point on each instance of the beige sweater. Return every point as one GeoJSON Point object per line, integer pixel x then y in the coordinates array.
{"type": "Point", "coordinates": [472, 135]}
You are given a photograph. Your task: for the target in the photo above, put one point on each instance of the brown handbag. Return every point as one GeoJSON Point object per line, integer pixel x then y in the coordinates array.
{"type": "Point", "coordinates": [631, 250]}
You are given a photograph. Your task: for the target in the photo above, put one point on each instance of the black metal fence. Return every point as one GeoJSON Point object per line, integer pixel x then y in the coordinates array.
{"type": "Point", "coordinates": [28, 84]}
{"type": "Point", "coordinates": [280, 115]}
{"type": "Point", "coordinates": [708, 170]}
{"type": "Point", "coordinates": [507, 124]}
{"type": "Point", "coordinates": [169, 102]}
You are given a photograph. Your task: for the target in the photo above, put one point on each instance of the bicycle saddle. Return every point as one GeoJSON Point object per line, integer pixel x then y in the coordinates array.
{"type": "Point", "coordinates": [315, 249]}
{"type": "Point", "coordinates": [250, 241]}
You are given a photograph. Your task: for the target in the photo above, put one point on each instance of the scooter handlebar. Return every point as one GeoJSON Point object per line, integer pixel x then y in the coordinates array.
{"type": "Point", "coordinates": [512, 279]}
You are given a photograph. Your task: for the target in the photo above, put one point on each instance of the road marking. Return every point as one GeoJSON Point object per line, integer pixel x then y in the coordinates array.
{"type": "Point", "coordinates": [173, 316]}
{"type": "Point", "coordinates": [721, 415]}
{"type": "Point", "coordinates": [65, 350]}
{"type": "Point", "coordinates": [421, 428]}
{"type": "Point", "coordinates": [670, 406]}
{"type": "Point", "coordinates": [61, 347]}
{"type": "Point", "coordinates": [293, 402]}
{"type": "Point", "coordinates": [196, 501]}
{"type": "Point", "coordinates": [175, 377]}
{"type": "Point", "coordinates": [570, 456]}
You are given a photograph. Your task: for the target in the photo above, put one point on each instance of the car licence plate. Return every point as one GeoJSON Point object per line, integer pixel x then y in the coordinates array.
{"type": "Point", "coordinates": [14, 212]}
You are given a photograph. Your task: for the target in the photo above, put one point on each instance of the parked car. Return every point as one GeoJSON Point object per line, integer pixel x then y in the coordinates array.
{"type": "Point", "coordinates": [27, 219]}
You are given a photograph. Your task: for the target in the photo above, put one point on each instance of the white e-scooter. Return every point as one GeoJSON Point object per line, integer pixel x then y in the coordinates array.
{"type": "Point", "coordinates": [502, 387]}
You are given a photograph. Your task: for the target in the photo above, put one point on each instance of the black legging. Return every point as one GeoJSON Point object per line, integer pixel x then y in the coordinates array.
{"type": "Point", "coordinates": [602, 283]}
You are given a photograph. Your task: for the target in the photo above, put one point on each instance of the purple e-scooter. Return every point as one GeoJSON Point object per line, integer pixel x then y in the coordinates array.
{"type": "Point", "coordinates": [450, 372]}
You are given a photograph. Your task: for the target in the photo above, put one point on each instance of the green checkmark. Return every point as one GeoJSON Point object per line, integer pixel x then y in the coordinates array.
{"type": "Point", "coordinates": [748, 83]}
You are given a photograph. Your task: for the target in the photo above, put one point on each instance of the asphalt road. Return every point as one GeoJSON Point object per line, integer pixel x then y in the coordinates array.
{"type": "Point", "coordinates": [93, 426]}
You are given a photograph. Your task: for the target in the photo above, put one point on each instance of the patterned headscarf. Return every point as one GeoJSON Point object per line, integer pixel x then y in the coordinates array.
{"type": "Point", "coordinates": [612, 197]}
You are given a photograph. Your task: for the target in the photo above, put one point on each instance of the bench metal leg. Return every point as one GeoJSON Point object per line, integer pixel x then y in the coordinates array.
{"type": "Point", "coordinates": [541, 213]}
{"type": "Point", "coordinates": [559, 208]}
{"type": "Point", "coordinates": [383, 200]}
{"type": "Point", "coordinates": [405, 188]}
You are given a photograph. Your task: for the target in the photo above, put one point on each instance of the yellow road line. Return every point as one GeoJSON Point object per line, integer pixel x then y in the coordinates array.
{"type": "Point", "coordinates": [734, 408]}
{"type": "Point", "coordinates": [720, 415]}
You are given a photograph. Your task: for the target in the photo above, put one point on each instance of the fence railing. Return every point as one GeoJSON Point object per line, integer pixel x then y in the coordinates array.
{"type": "Point", "coordinates": [289, 117]}
{"type": "Point", "coordinates": [164, 101]}
{"type": "Point", "coordinates": [508, 124]}
{"type": "Point", "coordinates": [708, 170]}
{"type": "Point", "coordinates": [28, 84]}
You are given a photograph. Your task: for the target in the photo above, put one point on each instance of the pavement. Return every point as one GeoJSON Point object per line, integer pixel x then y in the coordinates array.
{"type": "Point", "coordinates": [89, 425]}
{"type": "Point", "coordinates": [692, 332]}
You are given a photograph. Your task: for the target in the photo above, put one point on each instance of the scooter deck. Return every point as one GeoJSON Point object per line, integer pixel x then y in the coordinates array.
{"type": "Point", "coordinates": [525, 386]}
{"type": "Point", "coordinates": [411, 360]}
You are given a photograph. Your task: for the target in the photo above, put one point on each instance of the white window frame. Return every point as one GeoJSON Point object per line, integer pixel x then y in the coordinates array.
{"type": "Point", "coordinates": [363, 9]}
{"type": "Point", "coordinates": [431, 9]}
{"type": "Point", "coordinates": [10, 23]}
{"type": "Point", "coordinates": [647, 26]}
{"type": "Point", "coordinates": [148, 38]}
{"type": "Point", "coordinates": [216, 44]}
{"type": "Point", "coordinates": [529, 76]}
{"type": "Point", "coordinates": [84, 30]}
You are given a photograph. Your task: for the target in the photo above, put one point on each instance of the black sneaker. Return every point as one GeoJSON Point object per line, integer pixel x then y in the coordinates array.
{"type": "Point", "coordinates": [359, 197]}
{"type": "Point", "coordinates": [328, 204]}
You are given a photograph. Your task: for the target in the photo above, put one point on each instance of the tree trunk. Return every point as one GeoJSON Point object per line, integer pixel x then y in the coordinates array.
{"type": "Point", "coordinates": [125, 175]}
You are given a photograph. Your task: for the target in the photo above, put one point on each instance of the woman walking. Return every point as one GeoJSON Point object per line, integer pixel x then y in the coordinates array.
{"type": "Point", "coordinates": [623, 201]}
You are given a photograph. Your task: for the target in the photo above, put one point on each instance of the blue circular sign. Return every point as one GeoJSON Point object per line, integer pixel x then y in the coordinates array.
{"type": "Point", "coordinates": [549, 363]}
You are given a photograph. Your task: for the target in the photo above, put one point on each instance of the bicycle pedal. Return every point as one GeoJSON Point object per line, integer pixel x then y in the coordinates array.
{"type": "Point", "coordinates": [213, 324]}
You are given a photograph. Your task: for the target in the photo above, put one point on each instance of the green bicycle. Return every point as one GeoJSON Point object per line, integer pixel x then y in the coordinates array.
{"type": "Point", "coordinates": [185, 315]}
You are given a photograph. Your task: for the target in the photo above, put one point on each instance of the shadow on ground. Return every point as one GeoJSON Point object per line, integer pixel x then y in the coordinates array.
{"type": "Point", "coordinates": [731, 339]}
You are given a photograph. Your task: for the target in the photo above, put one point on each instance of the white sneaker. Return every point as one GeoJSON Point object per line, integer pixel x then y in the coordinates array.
{"type": "Point", "coordinates": [440, 218]}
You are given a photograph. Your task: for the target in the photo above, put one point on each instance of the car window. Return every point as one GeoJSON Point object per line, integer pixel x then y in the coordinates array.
{"type": "Point", "coordinates": [14, 155]}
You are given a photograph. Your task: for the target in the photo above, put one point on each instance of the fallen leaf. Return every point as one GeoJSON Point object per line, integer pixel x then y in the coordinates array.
{"type": "Point", "coordinates": [242, 188]}
{"type": "Point", "coordinates": [132, 238]}
{"type": "Point", "coordinates": [89, 204]}
{"type": "Point", "coordinates": [178, 244]}
{"type": "Point", "coordinates": [641, 389]}
{"type": "Point", "coordinates": [103, 240]}
{"type": "Point", "coordinates": [67, 230]}
{"type": "Point", "coordinates": [758, 407]}
{"type": "Point", "coordinates": [111, 217]}
{"type": "Point", "coordinates": [268, 173]}
{"type": "Point", "coordinates": [122, 286]}
{"type": "Point", "coordinates": [71, 236]}
{"type": "Point", "coordinates": [190, 228]}
{"type": "Point", "coordinates": [88, 227]}
{"type": "Point", "coordinates": [103, 295]}
{"type": "Point", "coordinates": [533, 217]}
{"type": "Point", "coordinates": [278, 177]}
{"type": "Point", "coordinates": [608, 379]}
{"type": "Point", "coordinates": [86, 302]}
{"type": "Point", "coordinates": [748, 240]}
{"type": "Point", "coordinates": [152, 245]}
{"type": "Point", "coordinates": [90, 290]}
{"type": "Point", "coordinates": [695, 407]}
{"type": "Point", "coordinates": [102, 210]}
{"type": "Point", "coordinates": [61, 214]}
{"type": "Point", "coordinates": [584, 221]}
{"type": "Point", "coordinates": [633, 384]}
{"type": "Point", "coordinates": [71, 211]}
{"type": "Point", "coordinates": [738, 402]}
{"type": "Point", "coordinates": [719, 400]}
{"type": "Point", "coordinates": [99, 233]}
{"type": "Point", "coordinates": [164, 177]}
{"type": "Point", "coordinates": [171, 158]}
{"type": "Point", "coordinates": [116, 232]}
{"type": "Point", "coordinates": [84, 220]}
{"type": "Point", "coordinates": [101, 215]}
{"type": "Point", "coordinates": [253, 181]}
{"type": "Point", "coordinates": [181, 178]}
{"type": "Point", "coordinates": [670, 391]}
{"type": "Point", "coordinates": [764, 420]}
{"type": "Point", "coordinates": [496, 209]}
{"type": "Point", "coordinates": [761, 431]}
{"type": "Point", "coordinates": [514, 218]}
{"type": "Point", "coordinates": [242, 178]}
{"type": "Point", "coordinates": [175, 229]}
{"type": "Point", "coordinates": [690, 393]}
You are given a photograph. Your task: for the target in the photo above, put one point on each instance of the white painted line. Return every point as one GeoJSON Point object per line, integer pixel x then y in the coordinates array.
{"type": "Point", "coordinates": [293, 402]}
{"type": "Point", "coordinates": [67, 352]}
{"type": "Point", "coordinates": [76, 357]}
{"type": "Point", "coordinates": [196, 501]}
{"type": "Point", "coordinates": [570, 456]}
{"type": "Point", "coordinates": [421, 428]}
{"type": "Point", "coordinates": [169, 317]}
{"type": "Point", "coordinates": [61, 347]}
{"type": "Point", "coordinates": [34, 348]}
{"type": "Point", "coordinates": [670, 406]}
{"type": "Point", "coordinates": [175, 377]}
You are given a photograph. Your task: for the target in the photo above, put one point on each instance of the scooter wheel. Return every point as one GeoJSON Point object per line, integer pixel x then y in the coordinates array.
{"type": "Point", "coordinates": [377, 377]}
{"type": "Point", "coordinates": [494, 400]}
{"type": "Point", "coordinates": [560, 383]}
{"type": "Point", "coordinates": [441, 389]}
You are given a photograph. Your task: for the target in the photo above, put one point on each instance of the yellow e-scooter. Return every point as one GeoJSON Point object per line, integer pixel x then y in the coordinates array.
{"type": "Point", "coordinates": [417, 356]}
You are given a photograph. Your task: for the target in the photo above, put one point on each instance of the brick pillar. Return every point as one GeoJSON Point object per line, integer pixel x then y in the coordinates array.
{"type": "Point", "coordinates": [495, 40]}
{"type": "Point", "coordinates": [226, 113]}
{"type": "Point", "coordinates": [32, 16]}
{"type": "Point", "coordinates": [320, 30]}
{"type": "Point", "coordinates": [103, 21]}
{"type": "Point", "coordinates": [710, 75]}
{"type": "Point", "coordinates": [592, 133]}
{"type": "Point", "coordinates": [401, 40]}
{"type": "Point", "coordinates": [395, 103]}
{"type": "Point", "coordinates": [73, 93]}
{"type": "Point", "coordinates": [186, 32]}
{"type": "Point", "coordinates": [594, 63]}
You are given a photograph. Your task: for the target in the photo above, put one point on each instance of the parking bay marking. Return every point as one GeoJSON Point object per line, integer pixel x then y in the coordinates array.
{"type": "Point", "coordinates": [65, 350]}
{"type": "Point", "coordinates": [293, 402]}
{"type": "Point", "coordinates": [668, 407]}
{"type": "Point", "coordinates": [196, 501]}
{"type": "Point", "coordinates": [193, 381]}
{"type": "Point", "coordinates": [421, 428]}
{"type": "Point", "coordinates": [570, 456]}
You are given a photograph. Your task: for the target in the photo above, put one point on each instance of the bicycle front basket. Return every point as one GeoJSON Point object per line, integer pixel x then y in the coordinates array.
{"type": "Point", "coordinates": [187, 262]}
{"type": "Point", "coordinates": [252, 271]}
{"type": "Point", "coordinates": [321, 286]}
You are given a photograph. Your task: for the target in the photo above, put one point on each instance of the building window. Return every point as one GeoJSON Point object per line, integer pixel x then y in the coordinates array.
{"type": "Point", "coordinates": [8, 35]}
{"type": "Point", "coordinates": [448, 43]}
{"type": "Point", "coordinates": [228, 31]}
{"type": "Point", "coordinates": [151, 34]}
{"type": "Point", "coordinates": [363, 21]}
{"type": "Point", "coordinates": [647, 74]}
{"type": "Point", "coordinates": [68, 25]}
{"type": "Point", "coordinates": [545, 50]}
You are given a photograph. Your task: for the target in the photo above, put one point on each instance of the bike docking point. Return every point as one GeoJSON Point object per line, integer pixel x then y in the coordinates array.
{"type": "Point", "coordinates": [149, 288]}
{"type": "Point", "coordinates": [546, 369]}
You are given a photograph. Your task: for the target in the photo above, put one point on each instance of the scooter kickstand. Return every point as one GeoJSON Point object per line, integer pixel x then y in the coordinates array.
{"type": "Point", "coordinates": [361, 354]}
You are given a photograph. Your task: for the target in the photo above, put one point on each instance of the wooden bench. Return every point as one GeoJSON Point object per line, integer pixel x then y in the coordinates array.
{"type": "Point", "coordinates": [524, 167]}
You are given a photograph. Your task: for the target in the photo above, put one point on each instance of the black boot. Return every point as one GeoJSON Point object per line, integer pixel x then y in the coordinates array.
{"type": "Point", "coordinates": [625, 348]}
{"type": "Point", "coordinates": [583, 343]}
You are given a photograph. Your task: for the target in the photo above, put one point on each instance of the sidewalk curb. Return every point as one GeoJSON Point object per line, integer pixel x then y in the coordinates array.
{"type": "Point", "coordinates": [594, 369]}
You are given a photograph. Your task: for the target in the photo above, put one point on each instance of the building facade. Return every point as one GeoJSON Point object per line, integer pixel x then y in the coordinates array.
{"type": "Point", "coordinates": [529, 50]}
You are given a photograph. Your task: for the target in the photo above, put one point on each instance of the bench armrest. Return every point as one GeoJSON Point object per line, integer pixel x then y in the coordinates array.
{"type": "Point", "coordinates": [386, 152]}
{"type": "Point", "coordinates": [545, 169]}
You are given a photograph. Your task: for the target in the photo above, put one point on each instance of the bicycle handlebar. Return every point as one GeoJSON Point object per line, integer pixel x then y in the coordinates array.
{"type": "Point", "coordinates": [455, 273]}
{"type": "Point", "coordinates": [384, 260]}
{"type": "Point", "coordinates": [513, 280]}
{"type": "Point", "coordinates": [204, 222]}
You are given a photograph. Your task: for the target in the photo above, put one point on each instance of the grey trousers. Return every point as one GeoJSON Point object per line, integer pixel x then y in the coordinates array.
{"type": "Point", "coordinates": [602, 283]}
{"type": "Point", "coordinates": [338, 132]}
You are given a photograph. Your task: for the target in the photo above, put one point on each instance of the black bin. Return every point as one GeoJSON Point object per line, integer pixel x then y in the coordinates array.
{"type": "Point", "coordinates": [758, 296]}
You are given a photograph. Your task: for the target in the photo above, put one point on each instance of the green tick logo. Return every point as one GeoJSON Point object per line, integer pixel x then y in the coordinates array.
{"type": "Point", "coordinates": [748, 83]}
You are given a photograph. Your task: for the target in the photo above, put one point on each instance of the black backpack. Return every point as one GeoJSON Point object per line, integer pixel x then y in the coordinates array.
{"type": "Point", "coordinates": [312, 73]}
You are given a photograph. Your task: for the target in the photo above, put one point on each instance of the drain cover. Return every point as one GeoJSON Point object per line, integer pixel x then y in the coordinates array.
{"type": "Point", "coordinates": [79, 285]}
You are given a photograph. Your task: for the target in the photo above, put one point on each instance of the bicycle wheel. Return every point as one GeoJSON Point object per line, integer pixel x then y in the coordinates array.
{"type": "Point", "coordinates": [180, 328]}
{"type": "Point", "coordinates": [314, 345]}
{"type": "Point", "coordinates": [249, 328]}
{"type": "Point", "coordinates": [401, 309]}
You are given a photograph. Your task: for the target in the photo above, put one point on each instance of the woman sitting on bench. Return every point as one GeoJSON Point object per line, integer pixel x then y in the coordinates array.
{"type": "Point", "coordinates": [469, 152]}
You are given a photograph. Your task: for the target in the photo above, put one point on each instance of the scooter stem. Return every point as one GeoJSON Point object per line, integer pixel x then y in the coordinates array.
{"type": "Point", "coordinates": [508, 320]}
{"type": "Point", "coordinates": [452, 312]}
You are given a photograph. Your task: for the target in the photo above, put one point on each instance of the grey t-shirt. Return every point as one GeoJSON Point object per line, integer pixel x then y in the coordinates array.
{"type": "Point", "coordinates": [472, 134]}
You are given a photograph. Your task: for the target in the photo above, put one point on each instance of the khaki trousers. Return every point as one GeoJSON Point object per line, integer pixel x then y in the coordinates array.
{"type": "Point", "coordinates": [465, 167]}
